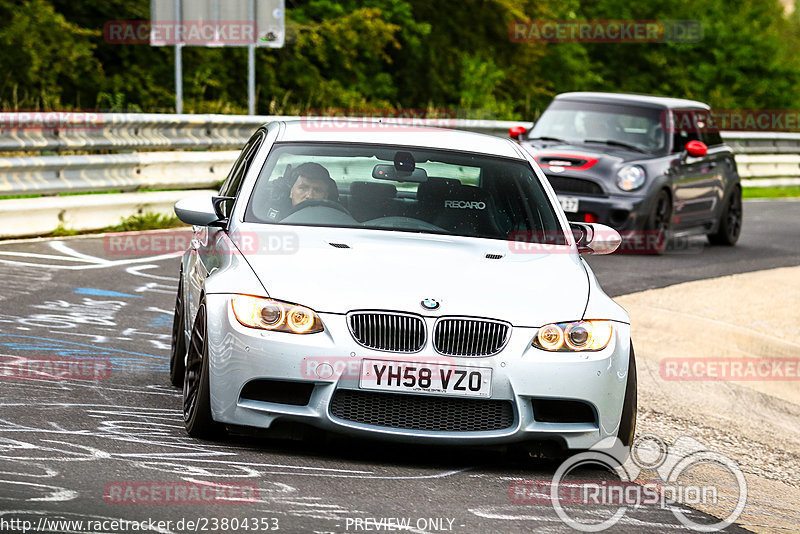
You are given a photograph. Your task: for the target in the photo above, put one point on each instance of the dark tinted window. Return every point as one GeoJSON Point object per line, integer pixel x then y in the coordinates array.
{"type": "Point", "coordinates": [709, 130]}
{"type": "Point", "coordinates": [234, 180]}
{"type": "Point", "coordinates": [685, 126]}
{"type": "Point", "coordinates": [455, 193]}
{"type": "Point", "coordinates": [577, 122]}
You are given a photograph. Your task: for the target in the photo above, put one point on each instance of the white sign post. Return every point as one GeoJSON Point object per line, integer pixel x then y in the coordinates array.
{"type": "Point", "coordinates": [217, 23]}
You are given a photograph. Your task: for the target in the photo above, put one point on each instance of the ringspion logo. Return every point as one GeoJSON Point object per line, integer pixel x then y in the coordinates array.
{"type": "Point", "coordinates": [622, 486]}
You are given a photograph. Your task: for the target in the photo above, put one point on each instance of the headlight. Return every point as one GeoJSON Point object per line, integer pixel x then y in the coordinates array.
{"type": "Point", "coordinates": [574, 337]}
{"type": "Point", "coordinates": [630, 177]}
{"type": "Point", "coordinates": [271, 314]}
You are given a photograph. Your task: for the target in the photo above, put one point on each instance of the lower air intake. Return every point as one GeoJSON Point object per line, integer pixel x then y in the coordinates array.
{"type": "Point", "coordinates": [421, 412]}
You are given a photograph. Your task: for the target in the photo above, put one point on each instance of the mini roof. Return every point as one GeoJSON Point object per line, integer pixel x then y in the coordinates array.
{"type": "Point", "coordinates": [637, 100]}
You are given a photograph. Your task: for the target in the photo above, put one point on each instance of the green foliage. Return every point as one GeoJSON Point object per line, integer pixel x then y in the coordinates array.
{"type": "Point", "coordinates": [357, 55]}
{"type": "Point", "coordinates": [147, 221]}
{"type": "Point", "coordinates": [62, 231]}
{"type": "Point", "coordinates": [771, 192]}
{"type": "Point", "coordinates": [43, 55]}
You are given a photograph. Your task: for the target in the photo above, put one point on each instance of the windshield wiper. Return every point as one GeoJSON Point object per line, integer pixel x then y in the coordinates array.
{"type": "Point", "coordinates": [545, 138]}
{"type": "Point", "coordinates": [612, 142]}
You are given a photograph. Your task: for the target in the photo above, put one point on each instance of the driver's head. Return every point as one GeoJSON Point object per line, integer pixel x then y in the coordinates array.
{"type": "Point", "coordinates": [312, 182]}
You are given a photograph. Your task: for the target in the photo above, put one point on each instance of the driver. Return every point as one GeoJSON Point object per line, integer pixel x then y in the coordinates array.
{"type": "Point", "coordinates": [309, 181]}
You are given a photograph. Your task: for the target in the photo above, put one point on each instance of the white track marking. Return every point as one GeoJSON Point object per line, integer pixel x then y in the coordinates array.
{"type": "Point", "coordinates": [57, 494]}
{"type": "Point", "coordinates": [90, 266]}
{"type": "Point", "coordinates": [136, 271]}
{"type": "Point", "coordinates": [513, 513]}
{"type": "Point", "coordinates": [39, 256]}
{"type": "Point", "coordinates": [159, 310]}
{"type": "Point", "coordinates": [60, 246]}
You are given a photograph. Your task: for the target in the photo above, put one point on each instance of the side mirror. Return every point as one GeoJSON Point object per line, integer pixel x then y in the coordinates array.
{"type": "Point", "coordinates": [197, 211]}
{"type": "Point", "coordinates": [696, 149]}
{"type": "Point", "coordinates": [516, 131]}
{"type": "Point", "coordinates": [594, 238]}
{"type": "Point", "coordinates": [223, 206]}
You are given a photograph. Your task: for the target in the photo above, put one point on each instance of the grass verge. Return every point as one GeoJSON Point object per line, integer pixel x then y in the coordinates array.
{"type": "Point", "coordinates": [770, 192]}
{"type": "Point", "coordinates": [134, 223]}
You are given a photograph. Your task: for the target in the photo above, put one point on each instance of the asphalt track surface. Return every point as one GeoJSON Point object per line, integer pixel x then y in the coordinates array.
{"type": "Point", "coordinates": [67, 445]}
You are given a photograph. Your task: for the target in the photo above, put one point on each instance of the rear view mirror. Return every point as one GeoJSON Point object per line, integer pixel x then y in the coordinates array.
{"type": "Point", "coordinates": [594, 238]}
{"type": "Point", "coordinates": [390, 172]}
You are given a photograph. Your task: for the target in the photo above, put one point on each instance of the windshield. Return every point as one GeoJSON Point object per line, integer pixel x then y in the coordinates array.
{"type": "Point", "coordinates": [616, 125]}
{"type": "Point", "coordinates": [374, 187]}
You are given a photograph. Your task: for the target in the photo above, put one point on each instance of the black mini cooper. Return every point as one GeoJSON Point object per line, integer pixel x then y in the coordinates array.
{"type": "Point", "coordinates": [653, 168]}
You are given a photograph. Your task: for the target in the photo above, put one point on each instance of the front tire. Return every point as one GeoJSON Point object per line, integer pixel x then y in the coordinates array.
{"type": "Point", "coordinates": [627, 422]}
{"type": "Point", "coordinates": [658, 223]}
{"type": "Point", "coordinates": [730, 221]}
{"type": "Point", "coordinates": [196, 390]}
{"type": "Point", "coordinates": [177, 358]}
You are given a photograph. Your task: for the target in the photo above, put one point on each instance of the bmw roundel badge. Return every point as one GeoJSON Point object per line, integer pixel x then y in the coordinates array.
{"type": "Point", "coordinates": [430, 304]}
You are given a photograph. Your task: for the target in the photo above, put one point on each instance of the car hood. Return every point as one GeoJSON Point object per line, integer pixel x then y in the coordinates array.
{"type": "Point", "coordinates": [595, 161]}
{"type": "Point", "coordinates": [337, 270]}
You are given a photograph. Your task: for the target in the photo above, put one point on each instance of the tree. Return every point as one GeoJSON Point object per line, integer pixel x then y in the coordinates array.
{"type": "Point", "coordinates": [43, 55]}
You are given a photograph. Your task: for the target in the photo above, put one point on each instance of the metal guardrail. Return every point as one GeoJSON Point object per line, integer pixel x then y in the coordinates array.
{"type": "Point", "coordinates": [49, 175]}
{"type": "Point", "coordinates": [763, 142]}
{"type": "Point", "coordinates": [87, 131]}
{"type": "Point", "coordinates": [202, 149]}
{"type": "Point", "coordinates": [39, 216]}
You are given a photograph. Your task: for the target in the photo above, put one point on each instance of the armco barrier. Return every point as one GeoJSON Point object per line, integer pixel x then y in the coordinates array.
{"type": "Point", "coordinates": [38, 216]}
{"type": "Point", "coordinates": [88, 131]}
{"type": "Point", "coordinates": [763, 158]}
{"type": "Point", "coordinates": [47, 175]}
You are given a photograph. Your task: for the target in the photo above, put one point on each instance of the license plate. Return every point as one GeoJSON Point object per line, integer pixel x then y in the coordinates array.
{"type": "Point", "coordinates": [569, 204]}
{"type": "Point", "coordinates": [437, 379]}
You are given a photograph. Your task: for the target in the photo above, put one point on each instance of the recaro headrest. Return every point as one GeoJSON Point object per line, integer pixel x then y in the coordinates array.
{"type": "Point", "coordinates": [435, 188]}
{"type": "Point", "coordinates": [371, 191]}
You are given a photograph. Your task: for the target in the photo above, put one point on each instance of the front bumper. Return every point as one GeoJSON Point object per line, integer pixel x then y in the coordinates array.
{"type": "Point", "coordinates": [520, 373]}
{"type": "Point", "coordinates": [621, 212]}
